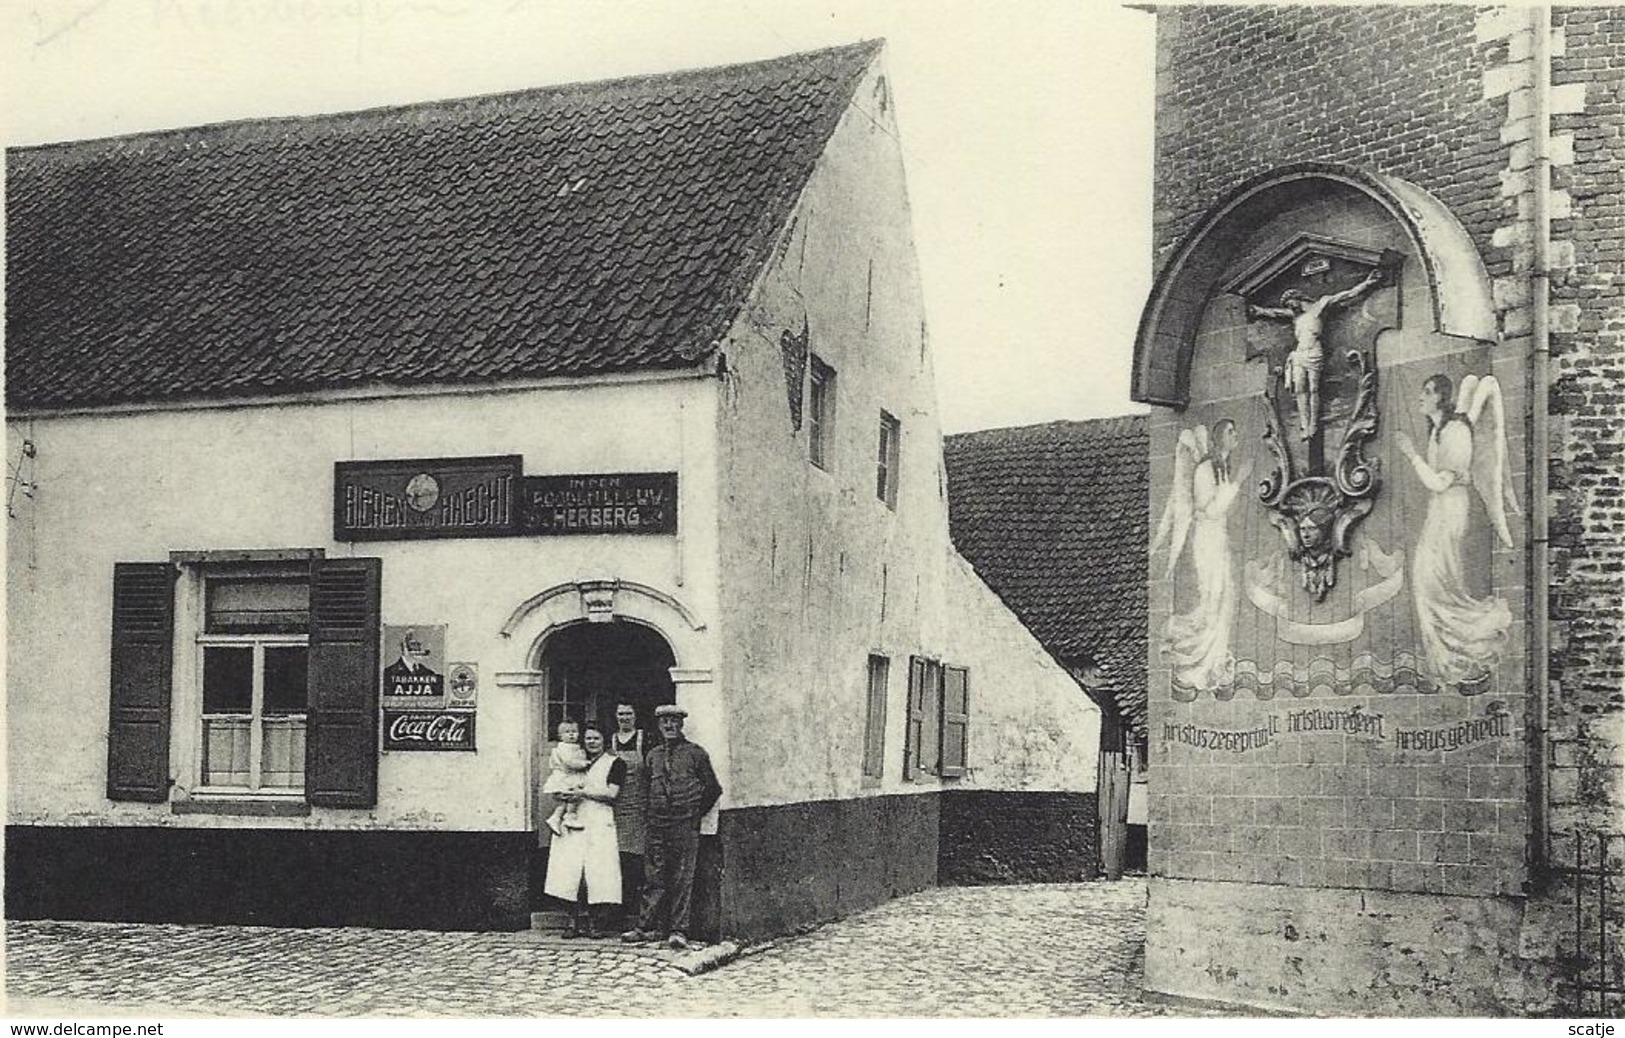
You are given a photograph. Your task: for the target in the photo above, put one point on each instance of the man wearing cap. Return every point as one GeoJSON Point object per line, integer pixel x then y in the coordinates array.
{"type": "Point", "coordinates": [680, 788]}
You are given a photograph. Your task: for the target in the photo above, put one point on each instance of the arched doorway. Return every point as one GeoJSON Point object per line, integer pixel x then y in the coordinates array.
{"type": "Point", "coordinates": [589, 667]}
{"type": "Point", "coordinates": [586, 669]}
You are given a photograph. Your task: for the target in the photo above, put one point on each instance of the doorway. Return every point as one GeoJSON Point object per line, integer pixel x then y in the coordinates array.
{"type": "Point", "coordinates": [589, 667]}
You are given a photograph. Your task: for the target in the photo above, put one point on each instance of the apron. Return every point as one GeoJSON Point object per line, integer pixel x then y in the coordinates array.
{"type": "Point", "coordinates": [629, 805]}
{"type": "Point", "coordinates": [590, 851]}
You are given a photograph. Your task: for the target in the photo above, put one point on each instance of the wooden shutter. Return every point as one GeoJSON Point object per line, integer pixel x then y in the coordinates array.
{"type": "Point", "coordinates": [341, 726]}
{"type": "Point", "coordinates": [142, 670]}
{"type": "Point", "coordinates": [874, 730]}
{"type": "Point", "coordinates": [955, 720]}
{"type": "Point", "coordinates": [915, 729]}
{"type": "Point", "coordinates": [930, 759]}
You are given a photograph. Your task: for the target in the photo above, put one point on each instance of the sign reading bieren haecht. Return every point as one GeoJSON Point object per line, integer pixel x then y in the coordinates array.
{"type": "Point", "coordinates": [428, 730]}
{"type": "Point", "coordinates": [425, 497]}
{"type": "Point", "coordinates": [628, 502]}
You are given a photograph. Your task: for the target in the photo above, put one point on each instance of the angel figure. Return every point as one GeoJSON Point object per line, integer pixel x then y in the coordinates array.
{"type": "Point", "coordinates": [1462, 636]}
{"type": "Point", "coordinates": [1198, 642]}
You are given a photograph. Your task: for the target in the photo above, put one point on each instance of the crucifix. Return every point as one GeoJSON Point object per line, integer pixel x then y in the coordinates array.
{"type": "Point", "coordinates": [1302, 367]}
{"type": "Point", "coordinates": [1321, 357]}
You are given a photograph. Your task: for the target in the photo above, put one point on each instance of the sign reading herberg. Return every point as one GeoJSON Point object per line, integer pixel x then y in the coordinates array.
{"type": "Point", "coordinates": [430, 497]}
{"type": "Point", "coordinates": [630, 502]}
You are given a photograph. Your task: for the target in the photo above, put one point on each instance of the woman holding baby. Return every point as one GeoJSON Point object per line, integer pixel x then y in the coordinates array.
{"type": "Point", "coordinates": [583, 862]}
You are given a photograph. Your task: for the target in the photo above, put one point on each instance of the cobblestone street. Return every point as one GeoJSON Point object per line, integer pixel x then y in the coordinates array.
{"type": "Point", "coordinates": [1061, 950]}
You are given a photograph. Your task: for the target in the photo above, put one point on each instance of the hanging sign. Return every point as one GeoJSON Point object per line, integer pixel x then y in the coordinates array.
{"type": "Point", "coordinates": [627, 502]}
{"type": "Point", "coordinates": [415, 498]}
{"type": "Point", "coordinates": [442, 730]}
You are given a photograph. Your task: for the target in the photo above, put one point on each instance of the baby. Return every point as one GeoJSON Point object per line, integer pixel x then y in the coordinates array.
{"type": "Point", "coordinates": [567, 766]}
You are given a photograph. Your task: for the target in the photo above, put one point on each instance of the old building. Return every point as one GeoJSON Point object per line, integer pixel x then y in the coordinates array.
{"type": "Point", "coordinates": [351, 453]}
{"type": "Point", "coordinates": [1385, 643]}
{"type": "Point", "coordinates": [1053, 517]}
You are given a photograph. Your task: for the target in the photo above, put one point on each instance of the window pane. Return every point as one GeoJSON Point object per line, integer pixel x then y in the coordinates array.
{"type": "Point", "coordinates": [880, 465]}
{"type": "Point", "coordinates": [228, 680]}
{"type": "Point", "coordinates": [285, 669]}
{"type": "Point", "coordinates": [886, 463]}
{"type": "Point", "coordinates": [282, 764]}
{"type": "Point", "coordinates": [225, 751]}
{"type": "Point", "coordinates": [819, 412]}
{"type": "Point", "coordinates": [259, 604]}
{"type": "Point", "coordinates": [562, 700]}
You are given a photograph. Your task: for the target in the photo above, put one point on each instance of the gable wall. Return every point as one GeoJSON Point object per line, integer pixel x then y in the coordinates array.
{"type": "Point", "coordinates": [818, 573]}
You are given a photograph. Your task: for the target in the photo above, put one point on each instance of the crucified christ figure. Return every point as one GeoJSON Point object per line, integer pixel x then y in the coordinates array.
{"type": "Point", "coordinates": [1308, 316]}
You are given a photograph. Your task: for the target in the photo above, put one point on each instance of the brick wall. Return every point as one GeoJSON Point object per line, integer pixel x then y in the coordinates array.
{"type": "Point", "coordinates": [1005, 836]}
{"type": "Point", "coordinates": [1241, 90]}
{"type": "Point", "coordinates": [1587, 518]}
{"type": "Point", "coordinates": [1588, 427]}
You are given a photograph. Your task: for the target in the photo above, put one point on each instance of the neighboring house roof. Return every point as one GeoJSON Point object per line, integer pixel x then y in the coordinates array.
{"type": "Point", "coordinates": [560, 231]}
{"type": "Point", "coordinates": [1054, 518]}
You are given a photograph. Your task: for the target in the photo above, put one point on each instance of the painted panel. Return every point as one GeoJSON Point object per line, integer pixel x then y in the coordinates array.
{"type": "Point", "coordinates": [1365, 727]}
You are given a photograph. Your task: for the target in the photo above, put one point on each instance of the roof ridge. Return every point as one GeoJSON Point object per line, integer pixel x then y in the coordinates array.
{"type": "Point", "coordinates": [429, 106]}
{"type": "Point", "coordinates": [1126, 421]}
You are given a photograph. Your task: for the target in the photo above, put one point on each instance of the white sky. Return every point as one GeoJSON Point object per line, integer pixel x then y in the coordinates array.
{"type": "Point", "coordinates": [1026, 130]}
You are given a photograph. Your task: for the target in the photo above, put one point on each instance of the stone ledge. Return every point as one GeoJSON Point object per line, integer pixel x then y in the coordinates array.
{"type": "Point", "coordinates": [241, 808]}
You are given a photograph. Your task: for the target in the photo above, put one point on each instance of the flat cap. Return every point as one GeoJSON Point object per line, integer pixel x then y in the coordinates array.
{"type": "Point", "coordinates": [670, 710]}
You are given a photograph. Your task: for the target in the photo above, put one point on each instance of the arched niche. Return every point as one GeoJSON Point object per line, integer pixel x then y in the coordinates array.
{"type": "Point", "coordinates": [1447, 266]}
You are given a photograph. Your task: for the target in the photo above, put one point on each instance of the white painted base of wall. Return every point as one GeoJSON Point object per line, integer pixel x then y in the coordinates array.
{"type": "Point", "coordinates": [1340, 952]}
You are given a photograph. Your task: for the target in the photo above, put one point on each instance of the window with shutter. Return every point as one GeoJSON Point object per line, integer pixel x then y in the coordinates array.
{"type": "Point", "coordinates": [937, 736]}
{"type": "Point", "coordinates": [874, 728]}
{"type": "Point", "coordinates": [255, 661]}
{"type": "Point", "coordinates": [930, 761]}
{"type": "Point", "coordinates": [341, 743]}
{"type": "Point", "coordinates": [914, 730]}
{"type": "Point", "coordinates": [955, 720]}
{"type": "Point", "coordinates": [142, 672]}
{"type": "Point", "coordinates": [891, 433]}
{"type": "Point", "coordinates": [820, 412]}
{"type": "Point", "coordinates": [922, 751]}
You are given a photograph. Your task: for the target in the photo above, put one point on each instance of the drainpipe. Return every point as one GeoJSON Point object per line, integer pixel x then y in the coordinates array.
{"type": "Point", "coordinates": [1540, 440]}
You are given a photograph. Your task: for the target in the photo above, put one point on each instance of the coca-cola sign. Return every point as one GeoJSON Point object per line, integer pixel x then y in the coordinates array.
{"type": "Point", "coordinates": [428, 730]}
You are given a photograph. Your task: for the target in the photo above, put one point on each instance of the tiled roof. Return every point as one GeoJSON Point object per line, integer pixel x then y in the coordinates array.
{"type": "Point", "coordinates": [559, 231]}
{"type": "Point", "coordinates": [1054, 518]}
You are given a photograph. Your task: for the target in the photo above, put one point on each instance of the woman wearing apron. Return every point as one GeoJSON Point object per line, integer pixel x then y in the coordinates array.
{"type": "Point", "coordinates": [627, 743]}
{"type": "Point", "coordinates": [584, 865]}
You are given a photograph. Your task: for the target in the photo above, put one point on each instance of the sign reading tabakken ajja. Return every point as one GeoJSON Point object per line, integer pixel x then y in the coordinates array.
{"type": "Point", "coordinates": [415, 677]}
{"type": "Point", "coordinates": [417, 498]}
